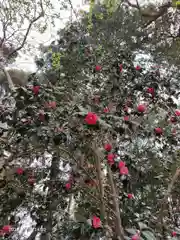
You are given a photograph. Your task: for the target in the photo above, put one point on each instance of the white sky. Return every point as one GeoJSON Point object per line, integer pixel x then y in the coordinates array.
{"type": "Point", "coordinates": [26, 61]}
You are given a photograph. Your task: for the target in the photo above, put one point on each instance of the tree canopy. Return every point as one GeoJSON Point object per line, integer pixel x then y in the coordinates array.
{"type": "Point", "coordinates": [94, 153]}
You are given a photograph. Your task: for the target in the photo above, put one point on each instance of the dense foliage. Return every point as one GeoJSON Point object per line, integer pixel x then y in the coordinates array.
{"type": "Point", "coordinates": [111, 128]}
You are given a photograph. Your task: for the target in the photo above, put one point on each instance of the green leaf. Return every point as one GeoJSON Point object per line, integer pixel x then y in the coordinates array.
{"type": "Point", "coordinates": [142, 225]}
{"type": "Point", "coordinates": [148, 235]}
{"type": "Point", "coordinates": [127, 238]}
{"type": "Point", "coordinates": [130, 231]}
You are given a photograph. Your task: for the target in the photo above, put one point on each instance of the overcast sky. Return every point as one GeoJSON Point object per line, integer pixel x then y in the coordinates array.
{"type": "Point", "coordinates": [25, 61]}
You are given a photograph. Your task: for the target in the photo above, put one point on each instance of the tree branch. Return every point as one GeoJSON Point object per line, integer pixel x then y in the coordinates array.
{"type": "Point", "coordinates": [120, 231]}
{"type": "Point", "coordinates": [99, 176]}
{"type": "Point", "coordinates": [150, 13]}
{"type": "Point", "coordinates": [171, 184]}
{"type": "Point", "coordinates": [26, 35]}
{"type": "Point", "coordinates": [10, 83]}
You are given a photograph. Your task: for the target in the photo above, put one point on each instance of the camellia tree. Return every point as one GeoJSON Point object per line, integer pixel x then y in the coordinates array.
{"type": "Point", "coordinates": [114, 122]}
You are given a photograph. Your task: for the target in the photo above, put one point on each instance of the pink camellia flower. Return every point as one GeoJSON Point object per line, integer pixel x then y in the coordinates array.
{"type": "Point", "coordinates": [121, 164]}
{"type": "Point", "coordinates": [130, 195]}
{"type": "Point", "coordinates": [120, 67]}
{"type": "Point", "coordinates": [126, 118]}
{"type": "Point", "coordinates": [106, 110]}
{"type": "Point", "coordinates": [158, 131]}
{"type": "Point", "coordinates": [174, 234]}
{"type": "Point", "coordinates": [98, 68]}
{"type": "Point", "coordinates": [135, 237]}
{"type": "Point", "coordinates": [110, 158]}
{"type": "Point", "coordinates": [108, 147]}
{"type": "Point", "coordinates": [96, 222]}
{"type": "Point", "coordinates": [138, 67]}
{"type": "Point", "coordinates": [19, 171]}
{"type": "Point", "coordinates": [174, 131]}
{"type": "Point", "coordinates": [26, 120]}
{"type": "Point", "coordinates": [7, 229]}
{"type": "Point", "coordinates": [124, 171]}
{"type": "Point", "coordinates": [35, 89]}
{"type": "Point", "coordinates": [51, 105]}
{"type": "Point", "coordinates": [91, 118]}
{"type": "Point", "coordinates": [177, 113]}
{"type": "Point", "coordinates": [31, 180]}
{"type": "Point", "coordinates": [68, 186]}
{"type": "Point", "coordinates": [141, 108]}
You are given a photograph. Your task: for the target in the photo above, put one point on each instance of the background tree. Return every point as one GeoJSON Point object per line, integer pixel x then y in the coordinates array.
{"type": "Point", "coordinates": [103, 111]}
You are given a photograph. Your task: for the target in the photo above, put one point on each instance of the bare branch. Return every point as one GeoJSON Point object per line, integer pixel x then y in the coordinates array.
{"type": "Point", "coordinates": [150, 13]}
{"type": "Point", "coordinates": [26, 35]}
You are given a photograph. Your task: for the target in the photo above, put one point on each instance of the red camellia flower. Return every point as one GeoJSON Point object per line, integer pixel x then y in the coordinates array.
{"type": "Point", "coordinates": [91, 183]}
{"type": "Point", "coordinates": [138, 67]}
{"type": "Point", "coordinates": [36, 89]}
{"type": "Point", "coordinates": [141, 108]}
{"type": "Point", "coordinates": [121, 164]}
{"type": "Point", "coordinates": [91, 118]}
{"type": "Point", "coordinates": [68, 186]}
{"type": "Point", "coordinates": [126, 118]}
{"type": "Point", "coordinates": [7, 229]}
{"type": "Point", "coordinates": [106, 110]}
{"type": "Point", "coordinates": [19, 171]}
{"type": "Point", "coordinates": [31, 180]}
{"type": "Point", "coordinates": [125, 109]}
{"type": "Point", "coordinates": [130, 195]}
{"type": "Point", "coordinates": [98, 68]}
{"type": "Point", "coordinates": [174, 234]}
{"type": "Point", "coordinates": [120, 67]}
{"type": "Point", "coordinates": [110, 158]}
{"type": "Point", "coordinates": [96, 222]}
{"type": "Point", "coordinates": [158, 131]}
{"type": "Point", "coordinates": [173, 120]}
{"type": "Point", "coordinates": [41, 115]}
{"type": "Point", "coordinates": [177, 113]}
{"type": "Point", "coordinates": [124, 171]}
{"type": "Point", "coordinates": [107, 147]}
{"type": "Point", "coordinates": [151, 91]}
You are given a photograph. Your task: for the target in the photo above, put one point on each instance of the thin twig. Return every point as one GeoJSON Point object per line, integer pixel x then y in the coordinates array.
{"type": "Point", "coordinates": [26, 34]}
